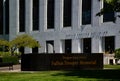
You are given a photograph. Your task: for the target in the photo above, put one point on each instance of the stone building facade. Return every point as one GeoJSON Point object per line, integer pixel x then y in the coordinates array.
{"type": "Point", "coordinates": [62, 26]}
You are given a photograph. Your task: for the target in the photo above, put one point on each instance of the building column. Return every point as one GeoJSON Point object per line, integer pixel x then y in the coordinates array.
{"type": "Point", "coordinates": [117, 18]}
{"type": "Point", "coordinates": [28, 20]}
{"type": "Point", "coordinates": [100, 45]}
{"type": "Point", "coordinates": [13, 18]}
{"type": "Point", "coordinates": [76, 14]}
{"type": "Point", "coordinates": [42, 49]}
{"type": "Point", "coordinates": [58, 46]}
{"type": "Point", "coordinates": [58, 14]}
{"type": "Point", "coordinates": [28, 50]}
{"type": "Point", "coordinates": [95, 9]}
{"type": "Point", "coordinates": [28, 15]}
{"type": "Point", "coordinates": [4, 11]}
{"type": "Point", "coordinates": [43, 15]}
{"type": "Point", "coordinates": [117, 42]}
{"type": "Point", "coordinates": [96, 45]}
{"type": "Point", "coordinates": [76, 46]}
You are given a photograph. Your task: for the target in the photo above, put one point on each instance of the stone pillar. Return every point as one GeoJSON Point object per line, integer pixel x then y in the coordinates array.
{"type": "Point", "coordinates": [28, 15]}
{"type": "Point", "coordinates": [100, 45]}
{"type": "Point", "coordinates": [75, 46]}
{"type": "Point", "coordinates": [117, 18]}
{"type": "Point", "coordinates": [4, 25]}
{"type": "Point", "coordinates": [13, 18]}
{"type": "Point", "coordinates": [76, 14]}
{"type": "Point", "coordinates": [50, 48]}
{"type": "Point", "coordinates": [103, 44]}
{"type": "Point", "coordinates": [43, 15]}
{"type": "Point", "coordinates": [94, 10]}
{"type": "Point", "coordinates": [28, 20]}
{"type": "Point", "coordinates": [58, 46]}
{"type": "Point", "coordinates": [117, 42]}
{"type": "Point", "coordinates": [58, 14]}
{"type": "Point", "coordinates": [28, 50]}
{"type": "Point", "coordinates": [95, 45]}
{"type": "Point", "coordinates": [42, 49]}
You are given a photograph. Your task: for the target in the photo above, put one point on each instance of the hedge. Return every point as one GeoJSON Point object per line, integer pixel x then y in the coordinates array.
{"type": "Point", "coordinates": [13, 59]}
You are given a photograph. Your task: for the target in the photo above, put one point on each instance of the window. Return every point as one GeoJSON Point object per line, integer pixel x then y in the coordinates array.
{"type": "Point", "coordinates": [108, 16]}
{"type": "Point", "coordinates": [35, 50]}
{"type": "Point", "coordinates": [22, 15]}
{"type": "Point", "coordinates": [87, 45]}
{"type": "Point", "coordinates": [67, 13]}
{"type": "Point", "coordinates": [6, 16]}
{"type": "Point", "coordinates": [50, 14]}
{"type": "Point", "coordinates": [86, 12]}
{"type": "Point", "coordinates": [1, 16]}
{"type": "Point", "coordinates": [68, 46]}
{"type": "Point", "coordinates": [109, 44]}
{"type": "Point", "coordinates": [35, 15]}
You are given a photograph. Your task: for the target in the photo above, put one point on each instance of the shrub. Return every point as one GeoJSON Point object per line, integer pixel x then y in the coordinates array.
{"type": "Point", "coordinates": [13, 59]}
{"type": "Point", "coordinates": [117, 53]}
{"type": "Point", "coordinates": [4, 54]}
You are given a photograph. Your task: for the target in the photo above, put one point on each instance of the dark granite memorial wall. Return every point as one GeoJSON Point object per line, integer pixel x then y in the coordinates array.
{"type": "Point", "coordinates": [38, 62]}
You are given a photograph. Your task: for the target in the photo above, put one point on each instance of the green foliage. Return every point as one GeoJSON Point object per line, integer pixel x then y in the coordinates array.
{"type": "Point", "coordinates": [12, 59]}
{"type": "Point", "coordinates": [113, 6]}
{"type": "Point", "coordinates": [18, 42]}
{"type": "Point", "coordinates": [117, 53]}
{"type": "Point", "coordinates": [111, 1]}
{"type": "Point", "coordinates": [6, 57]}
{"type": "Point", "coordinates": [4, 42]}
{"type": "Point", "coordinates": [24, 41]}
{"type": "Point", "coordinates": [4, 54]}
{"type": "Point", "coordinates": [7, 54]}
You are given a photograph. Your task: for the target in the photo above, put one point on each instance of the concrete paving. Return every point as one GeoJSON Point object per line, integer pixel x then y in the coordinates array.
{"type": "Point", "coordinates": [16, 68]}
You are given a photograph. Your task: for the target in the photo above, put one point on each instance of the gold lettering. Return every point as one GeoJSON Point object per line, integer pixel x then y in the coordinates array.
{"type": "Point", "coordinates": [74, 57]}
{"type": "Point", "coordinates": [87, 62]}
{"type": "Point", "coordinates": [57, 63]}
{"type": "Point", "coordinates": [73, 63]}
{"type": "Point", "coordinates": [70, 63]}
{"type": "Point", "coordinates": [67, 58]}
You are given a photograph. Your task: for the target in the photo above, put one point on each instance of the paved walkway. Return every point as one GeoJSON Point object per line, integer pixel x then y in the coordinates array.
{"type": "Point", "coordinates": [16, 68]}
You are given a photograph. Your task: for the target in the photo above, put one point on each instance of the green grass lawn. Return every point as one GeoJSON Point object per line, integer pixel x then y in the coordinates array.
{"type": "Point", "coordinates": [112, 66]}
{"type": "Point", "coordinates": [81, 75]}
